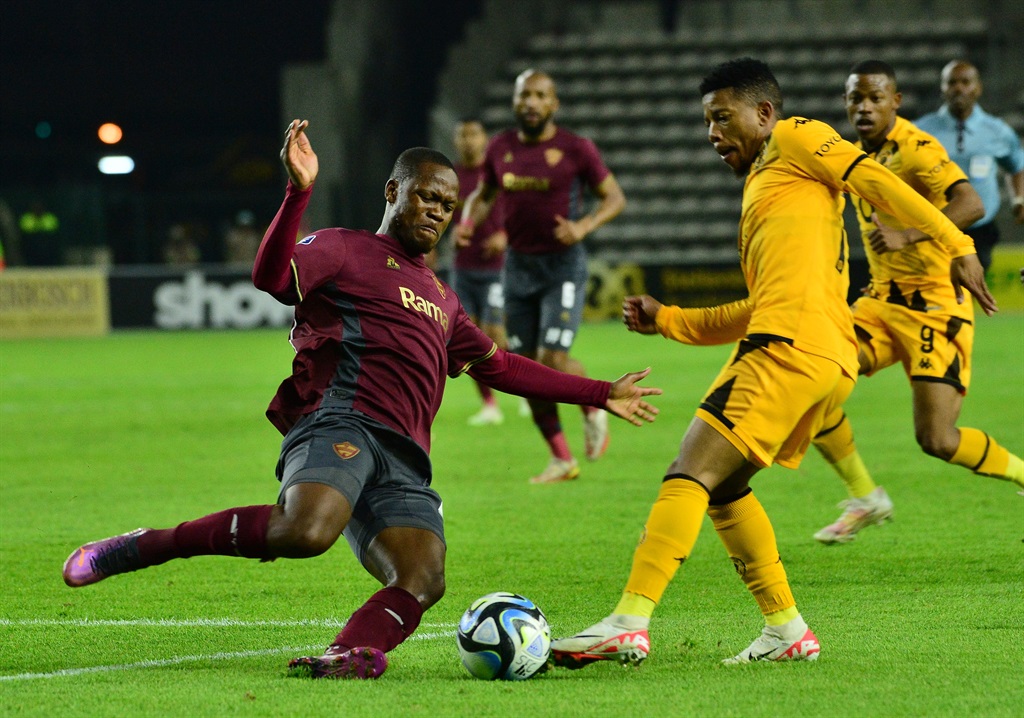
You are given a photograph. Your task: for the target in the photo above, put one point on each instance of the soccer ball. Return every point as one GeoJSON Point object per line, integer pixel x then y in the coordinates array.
{"type": "Point", "coordinates": [504, 635]}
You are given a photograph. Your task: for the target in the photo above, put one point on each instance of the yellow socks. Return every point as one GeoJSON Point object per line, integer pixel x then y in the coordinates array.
{"type": "Point", "coordinates": [632, 604]}
{"type": "Point", "coordinates": [835, 442]}
{"type": "Point", "coordinates": [747, 534]}
{"type": "Point", "coordinates": [669, 535]}
{"type": "Point", "coordinates": [980, 453]}
{"type": "Point", "coordinates": [855, 476]}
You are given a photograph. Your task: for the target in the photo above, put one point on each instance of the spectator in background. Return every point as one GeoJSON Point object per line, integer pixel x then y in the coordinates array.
{"type": "Point", "coordinates": [242, 240]}
{"type": "Point", "coordinates": [181, 249]}
{"type": "Point", "coordinates": [479, 259]}
{"type": "Point", "coordinates": [41, 239]}
{"type": "Point", "coordinates": [980, 144]}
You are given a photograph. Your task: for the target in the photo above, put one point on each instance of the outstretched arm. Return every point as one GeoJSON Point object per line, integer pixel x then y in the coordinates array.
{"type": "Point", "coordinates": [518, 375]}
{"type": "Point", "coordinates": [700, 325]}
{"type": "Point", "coordinates": [271, 272]}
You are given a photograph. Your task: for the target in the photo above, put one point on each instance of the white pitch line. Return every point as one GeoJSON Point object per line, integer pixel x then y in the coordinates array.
{"type": "Point", "coordinates": [186, 622]}
{"type": "Point", "coordinates": [177, 660]}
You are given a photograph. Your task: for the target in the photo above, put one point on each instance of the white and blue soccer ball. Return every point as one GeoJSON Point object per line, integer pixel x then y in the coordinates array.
{"type": "Point", "coordinates": [504, 636]}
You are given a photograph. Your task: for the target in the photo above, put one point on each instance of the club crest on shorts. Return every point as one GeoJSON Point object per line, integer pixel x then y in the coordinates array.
{"type": "Point", "coordinates": [553, 156]}
{"type": "Point", "coordinates": [346, 450]}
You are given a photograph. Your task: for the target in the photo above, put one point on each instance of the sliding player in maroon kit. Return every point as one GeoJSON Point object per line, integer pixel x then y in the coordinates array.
{"type": "Point", "coordinates": [540, 170]}
{"type": "Point", "coordinates": [375, 335]}
{"type": "Point", "coordinates": [479, 259]}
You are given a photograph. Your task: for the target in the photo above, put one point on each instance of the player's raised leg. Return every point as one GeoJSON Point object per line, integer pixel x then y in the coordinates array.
{"type": "Point", "coordinates": [307, 524]}
{"type": "Point", "coordinates": [936, 410]}
{"type": "Point", "coordinates": [867, 503]}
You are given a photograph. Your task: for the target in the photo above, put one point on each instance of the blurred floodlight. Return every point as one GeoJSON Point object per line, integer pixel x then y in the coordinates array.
{"type": "Point", "coordinates": [116, 164]}
{"type": "Point", "coordinates": [110, 134]}
{"type": "Point", "coordinates": [43, 130]}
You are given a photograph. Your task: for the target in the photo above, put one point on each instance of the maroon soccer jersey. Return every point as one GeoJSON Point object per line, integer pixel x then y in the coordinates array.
{"type": "Point", "coordinates": [539, 181]}
{"type": "Point", "coordinates": [375, 331]}
{"type": "Point", "coordinates": [472, 257]}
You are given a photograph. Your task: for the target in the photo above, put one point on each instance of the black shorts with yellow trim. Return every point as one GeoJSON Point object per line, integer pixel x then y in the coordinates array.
{"type": "Point", "coordinates": [931, 345]}
{"type": "Point", "coordinates": [771, 399]}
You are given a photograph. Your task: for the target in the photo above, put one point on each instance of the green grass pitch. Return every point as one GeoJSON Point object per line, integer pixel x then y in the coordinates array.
{"type": "Point", "coordinates": [921, 617]}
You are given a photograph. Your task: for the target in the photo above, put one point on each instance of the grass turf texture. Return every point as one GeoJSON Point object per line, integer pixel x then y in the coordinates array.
{"type": "Point", "coordinates": [919, 617]}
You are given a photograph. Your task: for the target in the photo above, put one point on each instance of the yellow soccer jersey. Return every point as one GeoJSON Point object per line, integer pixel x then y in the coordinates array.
{"type": "Point", "coordinates": [920, 271]}
{"type": "Point", "coordinates": [792, 243]}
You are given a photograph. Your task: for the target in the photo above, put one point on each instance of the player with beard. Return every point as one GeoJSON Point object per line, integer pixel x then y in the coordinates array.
{"type": "Point", "coordinates": [540, 170]}
{"type": "Point", "coordinates": [376, 334]}
{"type": "Point", "coordinates": [794, 363]}
{"type": "Point", "coordinates": [909, 314]}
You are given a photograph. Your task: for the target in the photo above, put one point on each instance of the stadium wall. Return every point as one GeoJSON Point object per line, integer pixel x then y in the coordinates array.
{"type": "Point", "coordinates": [91, 302]}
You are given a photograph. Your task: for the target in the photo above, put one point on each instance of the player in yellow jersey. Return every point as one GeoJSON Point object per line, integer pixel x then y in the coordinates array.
{"type": "Point", "coordinates": [794, 364]}
{"type": "Point", "coordinates": [910, 314]}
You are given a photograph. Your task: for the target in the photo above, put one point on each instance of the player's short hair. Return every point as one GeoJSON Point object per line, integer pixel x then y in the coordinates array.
{"type": "Point", "coordinates": [751, 79]}
{"type": "Point", "coordinates": [874, 67]}
{"type": "Point", "coordinates": [409, 162]}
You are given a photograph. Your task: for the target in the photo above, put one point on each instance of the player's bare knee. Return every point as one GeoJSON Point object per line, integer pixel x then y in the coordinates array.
{"type": "Point", "coordinates": [427, 585]}
{"type": "Point", "coordinates": [940, 444]}
{"type": "Point", "coordinates": [433, 590]}
{"type": "Point", "coordinates": [308, 538]}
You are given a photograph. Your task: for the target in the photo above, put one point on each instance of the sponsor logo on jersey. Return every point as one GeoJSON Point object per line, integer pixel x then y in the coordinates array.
{"type": "Point", "coordinates": [411, 300]}
{"type": "Point", "coordinates": [797, 121]}
{"type": "Point", "coordinates": [346, 450]}
{"type": "Point", "coordinates": [922, 143]}
{"type": "Point", "coordinates": [392, 264]}
{"type": "Point", "coordinates": [553, 156]}
{"type": "Point", "coordinates": [307, 240]}
{"type": "Point", "coordinates": [827, 145]}
{"type": "Point", "coordinates": [514, 183]}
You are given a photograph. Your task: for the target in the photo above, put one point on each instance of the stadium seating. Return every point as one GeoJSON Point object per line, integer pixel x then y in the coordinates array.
{"type": "Point", "coordinates": [635, 95]}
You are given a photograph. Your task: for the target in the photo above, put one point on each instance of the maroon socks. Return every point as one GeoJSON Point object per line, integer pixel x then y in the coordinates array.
{"type": "Point", "coordinates": [384, 621]}
{"type": "Point", "coordinates": [235, 532]}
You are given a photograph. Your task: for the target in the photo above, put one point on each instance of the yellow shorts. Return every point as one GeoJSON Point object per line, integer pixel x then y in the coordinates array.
{"type": "Point", "coordinates": [771, 399]}
{"type": "Point", "coordinates": [932, 346]}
